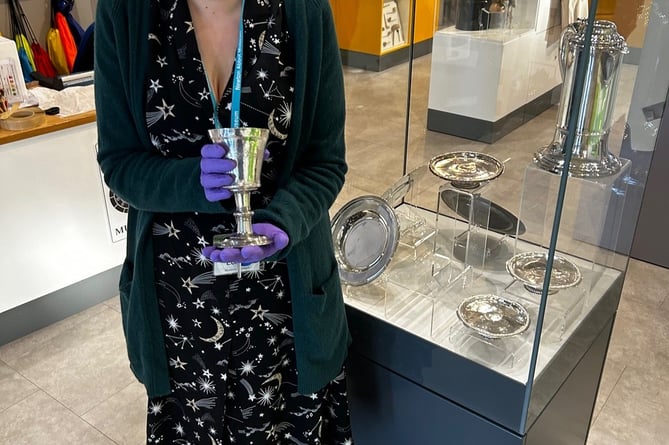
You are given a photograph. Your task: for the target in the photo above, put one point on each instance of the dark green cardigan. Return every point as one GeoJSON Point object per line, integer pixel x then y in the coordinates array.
{"type": "Point", "coordinates": [149, 182]}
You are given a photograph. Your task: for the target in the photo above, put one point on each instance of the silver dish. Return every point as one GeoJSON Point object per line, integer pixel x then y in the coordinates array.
{"type": "Point", "coordinates": [466, 169]}
{"type": "Point", "coordinates": [530, 269]}
{"type": "Point", "coordinates": [492, 316]}
{"type": "Point", "coordinates": [365, 233]}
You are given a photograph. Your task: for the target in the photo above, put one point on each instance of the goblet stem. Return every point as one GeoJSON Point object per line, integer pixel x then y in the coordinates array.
{"type": "Point", "coordinates": [243, 212]}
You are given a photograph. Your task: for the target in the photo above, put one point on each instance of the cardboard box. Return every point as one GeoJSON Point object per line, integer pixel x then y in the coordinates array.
{"type": "Point", "coordinates": [11, 77]}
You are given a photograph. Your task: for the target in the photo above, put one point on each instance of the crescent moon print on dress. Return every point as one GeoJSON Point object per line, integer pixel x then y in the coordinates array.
{"type": "Point", "coordinates": [220, 330]}
{"type": "Point", "coordinates": [229, 341]}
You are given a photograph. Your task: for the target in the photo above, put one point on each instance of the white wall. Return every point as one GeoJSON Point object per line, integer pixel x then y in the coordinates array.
{"type": "Point", "coordinates": [54, 226]}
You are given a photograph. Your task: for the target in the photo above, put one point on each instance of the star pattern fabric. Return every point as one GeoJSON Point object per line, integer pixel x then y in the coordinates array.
{"type": "Point", "coordinates": [179, 110]}
{"type": "Point", "coordinates": [231, 355]}
{"type": "Point", "coordinates": [228, 340]}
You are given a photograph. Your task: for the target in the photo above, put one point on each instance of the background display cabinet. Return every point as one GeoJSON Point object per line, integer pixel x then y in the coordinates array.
{"type": "Point", "coordinates": [376, 34]}
{"type": "Point", "coordinates": [494, 68]}
{"type": "Point", "coordinates": [481, 291]}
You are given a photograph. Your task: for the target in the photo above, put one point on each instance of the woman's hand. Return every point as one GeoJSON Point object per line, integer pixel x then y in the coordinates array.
{"type": "Point", "coordinates": [251, 254]}
{"type": "Point", "coordinates": [215, 172]}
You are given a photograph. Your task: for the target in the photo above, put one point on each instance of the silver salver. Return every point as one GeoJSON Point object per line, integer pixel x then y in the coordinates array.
{"type": "Point", "coordinates": [466, 169]}
{"type": "Point", "coordinates": [530, 269]}
{"type": "Point", "coordinates": [493, 316]}
{"type": "Point", "coordinates": [365, 234]}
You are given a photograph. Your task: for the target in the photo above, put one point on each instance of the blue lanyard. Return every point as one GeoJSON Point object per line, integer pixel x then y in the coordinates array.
{"type": "Point", "coordinates": [236, 81]}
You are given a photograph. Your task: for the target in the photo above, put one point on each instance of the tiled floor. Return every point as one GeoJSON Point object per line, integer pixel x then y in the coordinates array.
{"type": "Point", "coordinates": [70, 384]}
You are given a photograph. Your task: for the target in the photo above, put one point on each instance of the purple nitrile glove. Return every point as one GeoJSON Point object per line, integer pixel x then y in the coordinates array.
{"type": "Point", "coordinates": [214, 172]}
{"type": "Point", "coordinates": [251, 254]}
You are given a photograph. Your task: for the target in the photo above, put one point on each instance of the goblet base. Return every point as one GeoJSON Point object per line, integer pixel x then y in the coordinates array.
{"type": "Point", "coordinates": [239, 240]}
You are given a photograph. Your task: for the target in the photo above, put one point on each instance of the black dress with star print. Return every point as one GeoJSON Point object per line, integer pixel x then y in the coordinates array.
{"type": "Point", "coordinates": [229, 340]}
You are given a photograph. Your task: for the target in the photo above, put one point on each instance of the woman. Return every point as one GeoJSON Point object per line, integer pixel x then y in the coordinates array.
{"type": "Point", "coordinates": [256, 359]}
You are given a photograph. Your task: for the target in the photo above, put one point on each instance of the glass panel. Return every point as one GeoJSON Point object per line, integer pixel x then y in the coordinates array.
{"type": "Point", "coordinates": [374, 37]}
{"type": "Point", "coordinates": [471, 162]}
{"type": "Point", "coordinates": [498, 92]}
{"type": "Point", "coordinates": [487, 94]}
{"type": "Point", "coordinates": [614, 137]}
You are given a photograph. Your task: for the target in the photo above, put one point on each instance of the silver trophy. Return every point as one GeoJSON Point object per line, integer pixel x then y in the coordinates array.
{"type": "Point", "coordinates": [246, 146]}
{"type": "Point", "coordinates": [590, 154]}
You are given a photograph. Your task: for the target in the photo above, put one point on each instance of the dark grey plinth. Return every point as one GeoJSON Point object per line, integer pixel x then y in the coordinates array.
{"type": "Point", "coordinates": [400, 383]}
{"type": "Point", "coordinates": [388, 409]}
{"type": "Point", "coordinates": [486, 131]}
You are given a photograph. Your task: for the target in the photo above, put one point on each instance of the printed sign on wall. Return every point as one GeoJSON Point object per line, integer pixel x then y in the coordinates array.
{"type": "Point", "coordinates": [117, 212]}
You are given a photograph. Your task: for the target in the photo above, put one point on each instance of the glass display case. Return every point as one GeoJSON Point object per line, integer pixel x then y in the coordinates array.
{"type": "Point", "coordinates": [493, 67]}
{"type": "Point", "coordinates": [497, 280]}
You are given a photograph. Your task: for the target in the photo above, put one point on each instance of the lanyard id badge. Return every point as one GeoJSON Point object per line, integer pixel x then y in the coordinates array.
{"type": "Point", "coordinates": [235, 105]}
{"type": "Point", "coordinates": [232, 268]}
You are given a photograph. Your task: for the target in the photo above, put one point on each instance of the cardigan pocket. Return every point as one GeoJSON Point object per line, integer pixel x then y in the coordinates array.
{"type": "Point", "coordinates": [329, 286]}
{"type": "Point", "coordinates": [323, 320]}
{"type": "Point", "coordinates": [125, 289]}
{"type": "Point", "coordinates": [125, 280]}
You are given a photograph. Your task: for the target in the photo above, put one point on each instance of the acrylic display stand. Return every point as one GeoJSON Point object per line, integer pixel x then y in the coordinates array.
{"type": "Point", "coordinates": [591, 216]}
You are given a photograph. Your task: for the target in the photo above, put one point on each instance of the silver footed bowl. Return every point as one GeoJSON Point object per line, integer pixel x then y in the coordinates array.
{"type": "Point", "coordinates": [530, 269]}
{"type": "Point", "coordinates": [466, 169]}
{"type": "Point", "coordinates": [492, 316]}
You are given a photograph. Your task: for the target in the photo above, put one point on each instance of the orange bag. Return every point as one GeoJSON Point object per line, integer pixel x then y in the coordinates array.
{"type": "Point", "coordinates": [66, 39]}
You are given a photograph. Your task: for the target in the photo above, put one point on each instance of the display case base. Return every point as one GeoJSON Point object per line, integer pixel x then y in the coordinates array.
{"type": "Point", "coordinates": [388, 408]}
{"type": "Point", "coordinates": [487, 131]}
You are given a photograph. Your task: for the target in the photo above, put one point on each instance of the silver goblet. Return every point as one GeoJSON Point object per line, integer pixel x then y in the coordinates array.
{"type": "Point", "coordinates": [246, 146]}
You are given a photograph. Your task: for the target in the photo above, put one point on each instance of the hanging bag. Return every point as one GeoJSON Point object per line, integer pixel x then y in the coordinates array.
{"type": "Point", "coordinates": [54, 46]}
{"type": "Point", "coordinates": [66, 39]}
{"type": "Point", "coordinates": [56, 52]}
{"type": "Point", "coordinates": [22, 45]}
{"type": "Point", "coordinates": [41, 61]}
{"type": "Point", "coordinates": [65, 7]}
{"type": "Point", "coordinates": [85, 56]}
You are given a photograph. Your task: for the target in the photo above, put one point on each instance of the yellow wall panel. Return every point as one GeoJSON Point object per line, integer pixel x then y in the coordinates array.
{"type": "Point", "coordinates": [359, 23]}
